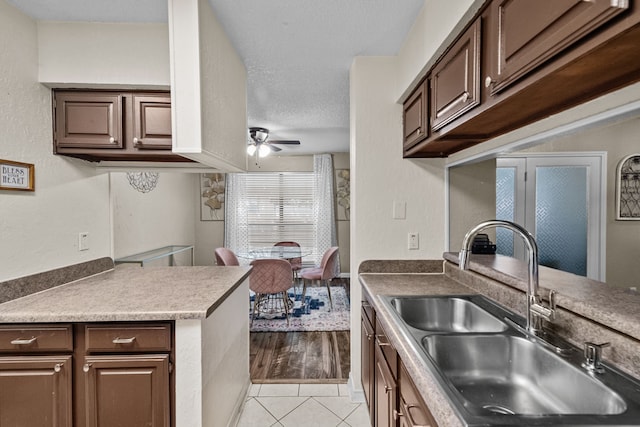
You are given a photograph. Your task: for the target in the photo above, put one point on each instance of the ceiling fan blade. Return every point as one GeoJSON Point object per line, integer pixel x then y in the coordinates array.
{"type": "Point", "coordinates": [274, 148]}
{"type": "Point", "coordinates": [282, 141]}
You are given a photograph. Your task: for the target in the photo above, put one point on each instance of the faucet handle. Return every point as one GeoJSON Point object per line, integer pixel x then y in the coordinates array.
{"type": "Point", "coordinates": [593, 356]}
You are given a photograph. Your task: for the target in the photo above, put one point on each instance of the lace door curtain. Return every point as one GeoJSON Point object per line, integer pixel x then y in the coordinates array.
{"type": "Point", "coordinates": [324, 208]}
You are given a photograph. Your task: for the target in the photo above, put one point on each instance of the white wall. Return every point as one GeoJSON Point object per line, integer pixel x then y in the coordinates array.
{"type": "Point", "coordinates": [96, 54]}
{"type": "Point", "coordinates": [380, 176]}
{"type": "Point", "coordinates": [162, 217]}
{"type": "Point", "coordinates": [39, 230]}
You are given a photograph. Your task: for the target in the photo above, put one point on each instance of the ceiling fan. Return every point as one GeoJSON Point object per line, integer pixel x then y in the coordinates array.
{"type": "Point", "coordinates": [259, 142]}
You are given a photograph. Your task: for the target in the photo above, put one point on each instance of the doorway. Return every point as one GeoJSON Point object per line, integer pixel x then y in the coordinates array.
{"type": "Point", "coordinates": [558, 198]}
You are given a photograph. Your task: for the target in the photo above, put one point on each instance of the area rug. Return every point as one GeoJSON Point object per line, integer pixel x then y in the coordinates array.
{"type": "Point", "coordinates": [318, 317]}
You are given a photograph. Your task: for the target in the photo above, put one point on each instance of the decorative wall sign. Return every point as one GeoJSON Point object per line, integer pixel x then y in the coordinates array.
{"type": "Point", "coordinates": [17, 176]}
{"type": "Point", "coordinates": [628, 188]}
{"type": "Point", "coordinates": [212, 186]}
{"type": "Point", "coordinates": [343, 194]}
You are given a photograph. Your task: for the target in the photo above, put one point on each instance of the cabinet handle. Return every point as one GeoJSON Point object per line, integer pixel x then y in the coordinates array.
{"type": "Point", "coordinates": [123, 340]}
{"type": "Point", "coordinates": [412, 422]}
{"type": "Point", "coordinates": [24, 341]}
{"type": "Point", "coordinates": [112, 140]}
{"type": "Point", "coordinates": [488, 81]}
{"type": "Point", "coordinates": [381, 340]}
{"type": "Point", "coordinates": [86, 367]}
{"type": "Point", "coordinates": [58, 367]}
{"type": "Point", "coordinates": [136, 142]}
{"type": "Point", "coordinates": [397, 415]}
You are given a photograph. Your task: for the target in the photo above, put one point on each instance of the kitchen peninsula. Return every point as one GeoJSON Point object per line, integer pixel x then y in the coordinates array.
{"type": "Point", "coordinates": [190, 322]}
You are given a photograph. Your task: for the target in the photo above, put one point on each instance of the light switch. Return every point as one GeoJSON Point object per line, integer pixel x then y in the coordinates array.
{"type": "Point", "coordinates": [413, 241]}
{"type": "Point", "coordinates": [399, 210]}
{"type": "Point", "coordinates": [83, 241]}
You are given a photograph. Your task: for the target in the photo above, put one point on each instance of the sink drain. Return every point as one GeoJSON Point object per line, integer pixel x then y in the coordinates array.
{"type": "Point", "coordinates": [497, 409]}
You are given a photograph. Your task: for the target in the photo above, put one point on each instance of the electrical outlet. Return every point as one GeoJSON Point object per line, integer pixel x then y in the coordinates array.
{"type": "Point", "coordinates": [83, 241]}
{"type": "Point", "coordinates": [413, 241]}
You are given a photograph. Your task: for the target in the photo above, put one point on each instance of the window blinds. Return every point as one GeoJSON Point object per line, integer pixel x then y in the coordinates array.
{"type": "Point", "coordinates": [279, 207]}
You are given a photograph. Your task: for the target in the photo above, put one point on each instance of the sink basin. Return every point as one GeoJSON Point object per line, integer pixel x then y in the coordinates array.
{"type": "Point", "coordinates": [504, 374]}
{"type": "Point", "coordinates": [446, 314]}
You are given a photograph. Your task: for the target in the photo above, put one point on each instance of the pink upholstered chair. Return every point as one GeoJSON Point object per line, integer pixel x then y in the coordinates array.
{"type": "Point", "coordinates": [324, 273]}
{"type": "Point", "coordinates": [296, 263]}
{"type": "Point", "coordinates": [270, 279]}
{"type": "Point", "coordinates": [225, 257]}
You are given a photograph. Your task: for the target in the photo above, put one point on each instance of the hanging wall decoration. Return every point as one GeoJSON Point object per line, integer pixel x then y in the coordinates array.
{"type": "Point", "coordinates": [143, 181]}
{"type": "Point", "coordinates": [17, 176]}
{"type": "Point", "coordinates": [628, 188]}
{"type": "Point", "coordinates": [212, 186]}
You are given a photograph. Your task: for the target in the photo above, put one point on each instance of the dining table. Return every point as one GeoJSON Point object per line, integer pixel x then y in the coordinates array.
{"type": "Point", "coordinates": [284, 252]}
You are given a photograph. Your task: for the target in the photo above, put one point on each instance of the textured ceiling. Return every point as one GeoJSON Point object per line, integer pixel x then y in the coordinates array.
{"type": "Point", "coordinates": [297, 53]}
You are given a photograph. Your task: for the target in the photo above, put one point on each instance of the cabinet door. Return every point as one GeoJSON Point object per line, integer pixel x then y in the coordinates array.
{"type": "Point", "coordinates": [367, 361]}
{"type": "Point", "coordinates": [412, 411]}
{"type": "Point", "coordinates": [152, 122]}
{"type": "Point", "coordinates": [127, 390]}
{"type": "Point", "coordinates": [88, 120]}
{"type": "Point", "coordinates": [529, 34]}
{"type": "Point", "coordinates": [415, 116]}
{"type": "Point", "coordinates": [35, 391]}
{"type": "Point", "coordinates": [386, 392]}
{"type": "Point", "coordinates": [455, 80]}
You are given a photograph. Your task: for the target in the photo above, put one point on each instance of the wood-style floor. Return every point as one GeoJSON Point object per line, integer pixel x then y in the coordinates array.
{"type": "Point", "coordinates": [302, 357]}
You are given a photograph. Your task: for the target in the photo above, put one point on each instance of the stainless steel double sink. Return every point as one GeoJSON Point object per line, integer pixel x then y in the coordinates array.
{"type": "Point", "coordinates": [495, 373]}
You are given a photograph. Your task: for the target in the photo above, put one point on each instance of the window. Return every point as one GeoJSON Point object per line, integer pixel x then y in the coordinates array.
{"type": "Point", "coordinates": [278, 207]}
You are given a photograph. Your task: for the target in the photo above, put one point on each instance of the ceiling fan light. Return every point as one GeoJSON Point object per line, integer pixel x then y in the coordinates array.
{"type": "Point", "coordinates": [251, 149]}
{"type": "Point", "coordinates": [264, 150]}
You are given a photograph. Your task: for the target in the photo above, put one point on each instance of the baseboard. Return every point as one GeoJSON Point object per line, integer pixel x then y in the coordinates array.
{"type": "Point", "coordinates": [239, 406]}
{"type": "Point", "coordinates": [355, 393]}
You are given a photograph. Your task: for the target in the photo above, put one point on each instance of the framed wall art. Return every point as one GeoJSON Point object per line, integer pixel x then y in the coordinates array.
{"type": "Point", "coordinates": [343, 194]}
{"type": "Point", "coordinates": [628, 188]}
{"type": "Point", "coordinates": [212, 187]}
{"type": "Point", "coordinates": [17, 176]}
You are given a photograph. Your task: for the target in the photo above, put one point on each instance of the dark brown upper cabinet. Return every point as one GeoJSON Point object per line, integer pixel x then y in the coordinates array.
{"type": "Point", "coordinates": [455, 80]}
{"type": "Point", "coordinates": [529, 35]}
{"type": "Point", "coordinates": [99, 125]}
{"type": "Point", "coordinates": [415, 116]}
{"type": "Point", "coordinates": [152, 121]}
{"type": "Point", "coordinates": [532, 61]}
{"type": "Point", "coordinates": [89, 120]}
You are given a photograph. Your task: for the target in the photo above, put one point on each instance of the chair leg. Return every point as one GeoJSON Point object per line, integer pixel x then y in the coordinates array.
{"type": "Point", "coordinates": [285, 304]}
{"type": "Point", "coordinates": [328, 282]}
{"type": "Point", "coordinates": [256, 305]}
{"type": "Point", "coordinates": [304, 290]}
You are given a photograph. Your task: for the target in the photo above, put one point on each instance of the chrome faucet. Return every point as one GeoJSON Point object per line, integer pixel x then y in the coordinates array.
{"type": "Point", "coordinates": [536, 311]}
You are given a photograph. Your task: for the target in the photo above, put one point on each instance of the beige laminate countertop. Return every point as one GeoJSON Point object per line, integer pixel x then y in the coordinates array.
{"type": "Point", "coordinates": [375, 284]}
{"type": "Point", "coordinates": [130, 293]}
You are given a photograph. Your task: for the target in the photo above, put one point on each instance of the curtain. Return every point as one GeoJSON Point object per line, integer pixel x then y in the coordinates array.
{"type": "Point", "coordinates": [236, 234]}
{"type": "Point", "coordinates": [324, 206]}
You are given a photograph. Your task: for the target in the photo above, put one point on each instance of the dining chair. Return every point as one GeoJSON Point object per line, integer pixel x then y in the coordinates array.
{"type": "Point", "coordinates": [270, 279]}
{"type": "Point", "coordinates": [296, 263]}
{"type": "Point", "coordinates": [324, 273]}
{"type": "Point", "coordinates": [226, 257]}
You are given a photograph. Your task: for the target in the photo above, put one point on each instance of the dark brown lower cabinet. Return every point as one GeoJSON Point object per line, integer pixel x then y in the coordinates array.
{"type": "Point", "coordinates": [412, 411]}
{"type": "Point", "coordinates": [87, 375]}
{"type": "Point", "coordinates": [36, 391]}
{"type": "Point", "coordinates": [367, 361]}
{"type": "Point", "coordinates": [385, 393]}
{"type": "Point", "coordinates": [127, 390]}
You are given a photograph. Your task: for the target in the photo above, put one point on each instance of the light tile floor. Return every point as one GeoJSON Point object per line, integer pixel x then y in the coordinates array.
{"type": "Point", "coordinates": [308, 405]}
